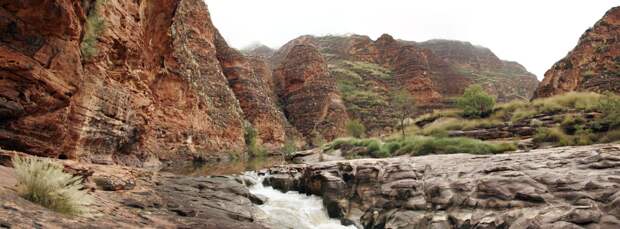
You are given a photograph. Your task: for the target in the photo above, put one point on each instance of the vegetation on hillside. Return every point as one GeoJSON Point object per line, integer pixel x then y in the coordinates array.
{"type": "Point", "coordinates": [570, 128]}
{"type": "Point", "coordinates": [44, 182]}
{"type": "Point", "coordinates": [403, 104]}
{"type": "Point", "coordinates": [92, 29]}
{"type": "Point", "coordinates": [365, 90]}
{"type": "Point", "coordinates": [417, 146]}
{"type": "Point", "coordinates": [355, 129]}
{"type": "Point", "coordinates": [251, 141]}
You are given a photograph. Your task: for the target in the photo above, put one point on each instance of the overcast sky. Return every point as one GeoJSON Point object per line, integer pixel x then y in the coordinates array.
{"type": "Point", "coordinates": [535, 33]}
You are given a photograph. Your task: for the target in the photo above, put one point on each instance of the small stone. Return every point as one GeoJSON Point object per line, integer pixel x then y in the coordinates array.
{"type": "Point", "coordinates": [184, 212]}
{"type": "Point", "coordinates": [258, 199]}
{"type": "Point", "coordinates": [134, 203]}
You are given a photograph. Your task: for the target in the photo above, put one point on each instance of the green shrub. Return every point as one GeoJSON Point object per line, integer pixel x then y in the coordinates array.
{"type": "Point", "coordinates": [586, 101]}
{"type": "Point", "coordinates": [475, 102]}
{"type": "Point", "coordinates": [317, 139]}
{"type": "Point", "coordinates": [418, 145]}
{"type": "Point", "coordinates": [583, 136]}
{"type": "Point", "coordinates": [571, 123]}
{"type": "Point", "coordinates": [552, 135]}
{"type": "Point", "coordinates": [382, 153]}
{"type": "Point", "coordinates": [583, 101]}
{"type": "Point", "coordinates": [461, 145]}
{"type": "Point", "coordinates": [373, 146]}
{"type": "Point", "coordinates": [441, 126]}
{"type": "Point", "coordinates": [289, 146]}
{"type": "Point", "coordinates": [355, 129]}
{"type": "Point", "coordinates": [93, 28]}
{"type": "Point", "coordinates": [610, 136]}
{"type": "Point", "coordinates": [610, 107]}
{"type": "Point", "coordinates": [44, 182]}
{"type": "Point", "coordinates": [366, 68]}
{"type": "Point", "coordinates": [392, 147]}
{"type": "Point", "coordinates": [523, 113]}
{"type": "Point", "coordinates": [251, 141]}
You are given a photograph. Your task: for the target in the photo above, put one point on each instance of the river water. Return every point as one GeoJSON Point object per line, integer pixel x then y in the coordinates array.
{"type": "Point", "coordinates": [290, 210]}
{"type": "Point", "coordinates": [293, 209]}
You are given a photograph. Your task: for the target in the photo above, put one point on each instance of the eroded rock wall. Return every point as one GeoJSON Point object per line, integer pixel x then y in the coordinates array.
{"type": "Point", "coordinates": [593, 65]}
{"type": "Point", "coordinates": [468, 64]}
{"type": "Point", "coordinates": [253, 88]}
{"type": "Point", "coordinates": [154, 88]}
{"type": "Point", "coordinates": [311, 99]}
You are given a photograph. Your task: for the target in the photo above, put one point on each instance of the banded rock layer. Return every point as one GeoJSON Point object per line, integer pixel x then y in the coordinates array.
{"type": "Point", "coordinates": [593, 65]}
{"type": "Point", "coordinates": [161, 82]}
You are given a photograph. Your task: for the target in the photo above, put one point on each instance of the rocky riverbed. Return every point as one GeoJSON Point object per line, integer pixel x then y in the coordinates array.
{"type": "Point", "coordinates": [571, 187]}
{"type": "Point", "coordinates": [132, 198]}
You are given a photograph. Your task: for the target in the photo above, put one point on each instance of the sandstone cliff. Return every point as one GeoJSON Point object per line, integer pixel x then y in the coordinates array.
{"type": "Point", "coordinates": [125, 81]}
{"type": "Point", "coordinates": [368, 71]}
{"type": "Point", "coordinates": [593, 65]}
{"type": "Point", "coordinates": [474, 64]}
{"type": "Point", "coordinates": [309, 94]}
{"type": "Point", "coordinates": [253, 88]}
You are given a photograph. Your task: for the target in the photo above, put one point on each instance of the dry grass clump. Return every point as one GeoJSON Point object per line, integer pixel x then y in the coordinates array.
{"type": "Point", "coordinates": [44, 182]}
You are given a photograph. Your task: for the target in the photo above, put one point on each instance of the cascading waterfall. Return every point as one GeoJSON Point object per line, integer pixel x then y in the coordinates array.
{"type": "Point", "coordinates": [293, 209]}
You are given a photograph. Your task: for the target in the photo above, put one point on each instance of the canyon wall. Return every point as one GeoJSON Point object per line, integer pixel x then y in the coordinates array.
{"type": "Point", "coordinates": [126, 82]}
{"type": "Point", "coordinates": [593, 65]}
{"type": "Point", "coordinates": [368, 71]}
{"type": "Point", "coordinates": [309, 94]}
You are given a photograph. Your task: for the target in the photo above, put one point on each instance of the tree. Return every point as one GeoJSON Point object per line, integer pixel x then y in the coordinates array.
{"type": "Point", "coordinates": [403, 104]}
{"type": "Point", "coordinates": [475, 102]}
{"type": "Point", "coordinates": [251, 140]}
{"type": "Point", "coordinates": [355, 128]}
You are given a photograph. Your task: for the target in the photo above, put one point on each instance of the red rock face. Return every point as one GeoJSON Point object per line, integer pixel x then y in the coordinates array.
{"type": "Point", "coordinates": [155, 87]}
{"type": "Point", "coordinates": [411, 67]}
{"type": "Point", "coordinates": [593, 65]}
{"type": "Point", "coordinates": [254, 93]}
{"type": "Point", "coordinates": [468, 64]}
{"type": "Point", "coordinates": [409, 63]}
{"type": "Point", "coordinates": [40, 73]}
{"type": "Point", "coordinates": [430, 70]}
{"type": "Point", "coordinates": [312, 101]}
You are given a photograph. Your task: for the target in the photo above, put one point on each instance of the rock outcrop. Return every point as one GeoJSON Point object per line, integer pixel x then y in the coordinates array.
{"type": "Point", "coordinates": [474, 64]}
{"type": "Point", "coordinates": [309, 94]}
{"type": "Point", "coordinates": [130, 198]}
{"type": "Point", "coordinates": [593, 65]}
{"type": "Point", "coordinates": [367, 72]}
{"type": "Point", "coordinates": [572, 187]}
{"type": "Point", "coordinates": [253, 87]}
{"type": "Point", "coordinates": [126, 81]}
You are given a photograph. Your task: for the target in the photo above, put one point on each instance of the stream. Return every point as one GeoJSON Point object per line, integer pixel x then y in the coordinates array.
{"type": "Point", "coordinates": [290, 210]}
{"type": "Point", "coordinates": [293, 209]}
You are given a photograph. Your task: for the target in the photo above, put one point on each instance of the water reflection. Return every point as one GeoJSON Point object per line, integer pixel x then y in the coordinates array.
{"type": "Point", "coordinates": [223, 168]}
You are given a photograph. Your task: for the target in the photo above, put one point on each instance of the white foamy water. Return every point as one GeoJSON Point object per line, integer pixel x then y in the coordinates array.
{"type": "Point", "coordinates": [293, 209]}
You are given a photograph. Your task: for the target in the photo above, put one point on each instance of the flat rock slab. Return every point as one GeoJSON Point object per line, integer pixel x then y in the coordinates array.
{"type": "Point", "coordinates": [569, 187]}
{"type": "Point", "coordinates": [155, 200]}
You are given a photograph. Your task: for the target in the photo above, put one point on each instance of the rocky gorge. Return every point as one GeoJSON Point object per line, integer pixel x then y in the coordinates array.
{"type": "Point", "coordinates": [156, 114]}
